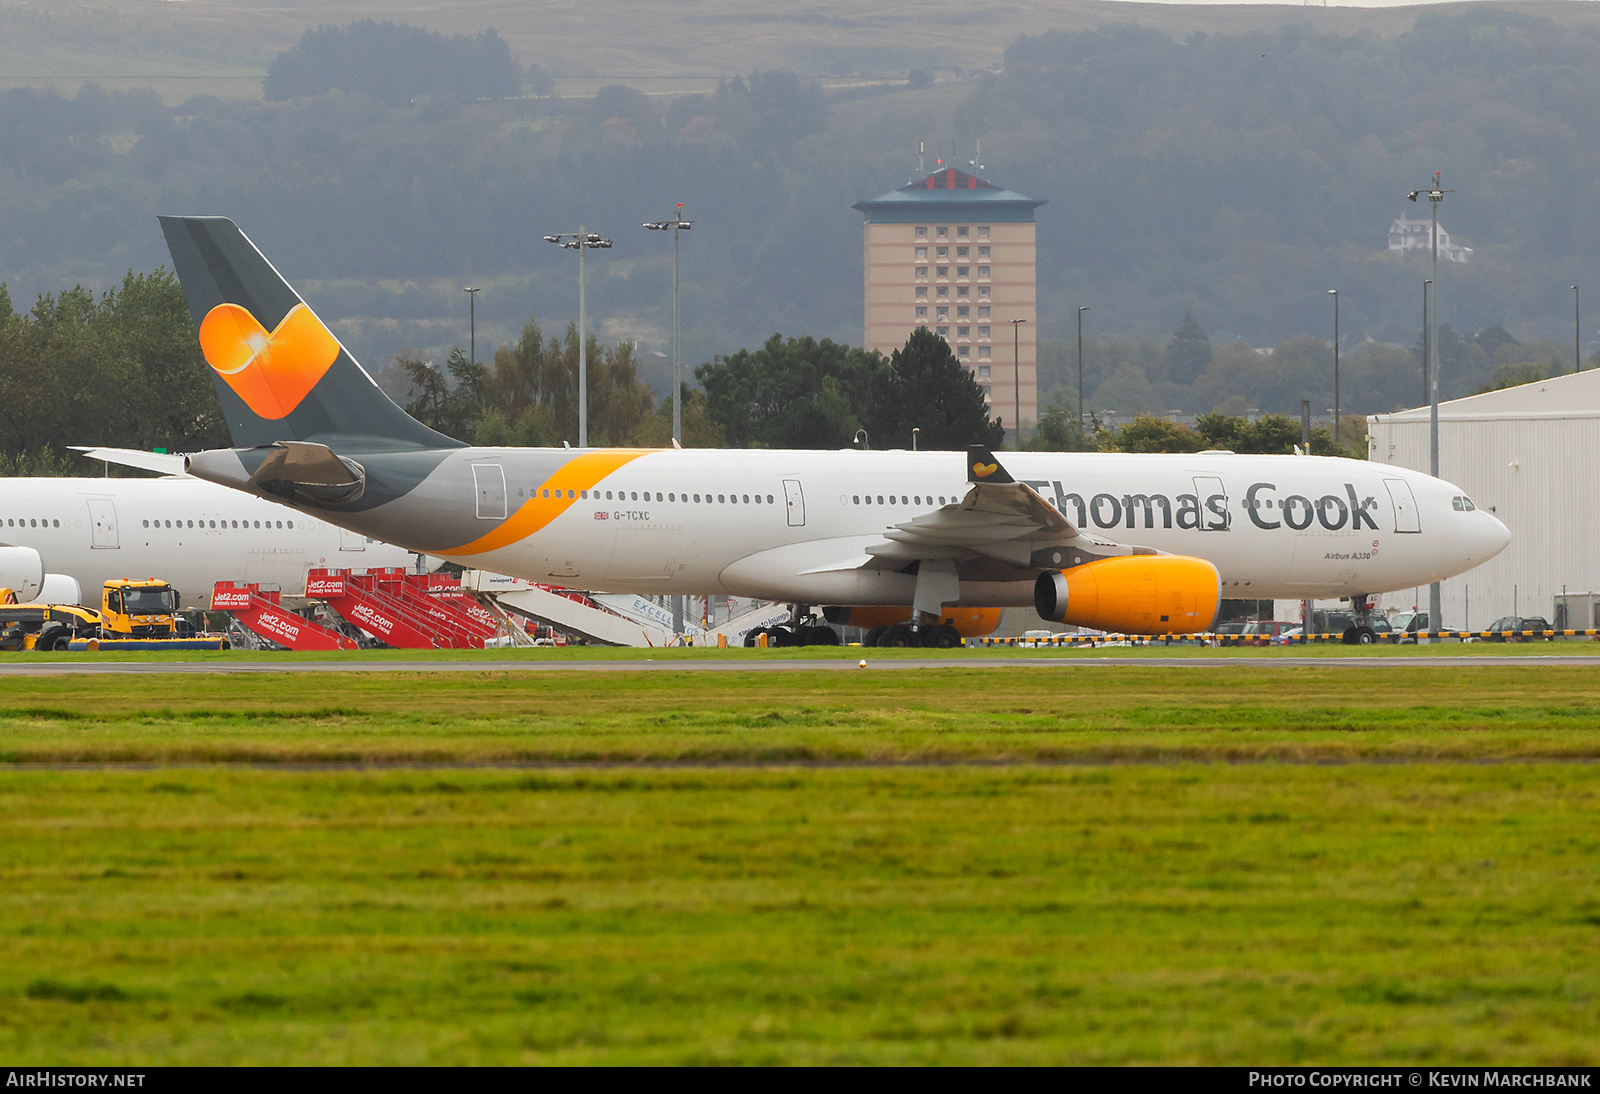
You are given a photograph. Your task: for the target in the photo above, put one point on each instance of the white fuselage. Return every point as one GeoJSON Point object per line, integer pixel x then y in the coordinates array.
{"type": "Point", "coordinates": [185, 531]}
{"type": "Point", "coordinates": [796, 525]}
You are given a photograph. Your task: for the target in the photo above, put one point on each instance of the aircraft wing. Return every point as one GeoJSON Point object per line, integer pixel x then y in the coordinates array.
{"type": "Point", "coordinates": [999, 521]}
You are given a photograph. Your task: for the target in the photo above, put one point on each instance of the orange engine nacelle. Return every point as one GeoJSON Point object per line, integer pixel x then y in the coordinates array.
{"type": "Point", "coordinates": [968, 622]}
{"type": "Point", "coordinates": [1136, 594]}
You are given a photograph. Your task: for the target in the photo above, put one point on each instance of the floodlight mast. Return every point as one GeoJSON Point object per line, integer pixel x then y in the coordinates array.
{"type": "Point", "coordinates": [1436, 194]}
{"type": "Point", "coordinates": [676, 224]}
{"type": "Point", "coordinates": [581, 241]}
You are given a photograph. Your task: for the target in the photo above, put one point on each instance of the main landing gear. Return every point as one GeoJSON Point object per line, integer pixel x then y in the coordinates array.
{"type": "Point", "coordinates": [939, 636]}
{"type": "Point", "coordinates": [794, 636]}
{"type": "Point", "coordinates": [801, 630]}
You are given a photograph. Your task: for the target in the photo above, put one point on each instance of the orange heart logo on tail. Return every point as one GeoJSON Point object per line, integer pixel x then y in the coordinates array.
{"type": "Point", "coordinates": [984, 470]}
{"type": "Point", "coordinates": [272, 373]}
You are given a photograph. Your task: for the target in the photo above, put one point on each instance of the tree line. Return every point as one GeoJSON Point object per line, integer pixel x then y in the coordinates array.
{"type": "Point", "coordinates": [786, 393]}
{"type": "Point", "coordinates": [1189, 374]}
{"type": "Point", "coordinates": [122, 369]}
{"type": "Point", "coordinates": [399, 64]}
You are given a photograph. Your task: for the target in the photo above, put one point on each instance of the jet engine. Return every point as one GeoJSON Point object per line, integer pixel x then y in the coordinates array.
{"type": "Point", "coordinates": [21, 571]}
{"type": "Point", "coordinates": [1133, 594]}
{"type": "Point", "coordinates": [968, 622]}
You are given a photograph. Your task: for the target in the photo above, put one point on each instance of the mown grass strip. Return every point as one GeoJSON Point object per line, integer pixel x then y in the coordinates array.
{"type": "Point", "coordinates": [1006, 715]}
{"type": "Point", "coordinates": [1180, 914]}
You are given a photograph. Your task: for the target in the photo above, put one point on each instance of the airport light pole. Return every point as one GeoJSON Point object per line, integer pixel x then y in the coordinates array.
{"type": "Point", "coordinates": [1436, 195]}
{"type": "Point", "coordinates": [1016, 374]}
{"type": "Point", "coordinates": [1335, 294]}
{"type": "Point", "coordinates": [676, 224]}
{"type": "Point", "coordinates": [1426, 344]}
{"type": "Point", "coordinates": [1577, 334]}
{"type": "Point", "coordinates": [472, 295]}
{"type": "Point", "coordinates": [914, 431]}
{"type": "Point", "coordinates": [1081, 310]}
{"type": "Point", "coordinates": [581, 241]}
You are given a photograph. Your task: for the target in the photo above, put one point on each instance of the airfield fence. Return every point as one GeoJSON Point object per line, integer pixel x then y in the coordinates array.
{"type": "Point", "coordinates": [1211, 639]}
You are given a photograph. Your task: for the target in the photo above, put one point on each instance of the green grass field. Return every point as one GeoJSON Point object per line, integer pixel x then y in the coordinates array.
{"type": "Point", "coordinates": [710, 873]}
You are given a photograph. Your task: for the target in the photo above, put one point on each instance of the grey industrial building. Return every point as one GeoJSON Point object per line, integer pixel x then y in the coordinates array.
{"type": "Point", "coordinates": [1531, 455]}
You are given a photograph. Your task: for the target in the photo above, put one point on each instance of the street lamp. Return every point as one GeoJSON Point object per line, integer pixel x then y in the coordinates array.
{"type": "Point", "coordinates": [1016, 374]}
{"type": "Point", "coordinates": [581, 241]}
{"type": "Point", "coordinates": [676, 224]}
{"type": "Point", "coordinates": [1080, 366]}
{"type": "Point", "coordinates": [1436, 195]}
{"type": "Point", "coordinates": [1335, 294]}
{"type": "Point", "coordinates": [472, 295]}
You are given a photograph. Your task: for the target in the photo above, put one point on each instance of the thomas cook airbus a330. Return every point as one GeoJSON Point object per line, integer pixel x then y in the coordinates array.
{"type": "Point", "coordinates": [1139, 543]}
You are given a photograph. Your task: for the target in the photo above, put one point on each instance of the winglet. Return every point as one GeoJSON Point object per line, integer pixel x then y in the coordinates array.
{"type": "Point", "coordinates": [982, 466]}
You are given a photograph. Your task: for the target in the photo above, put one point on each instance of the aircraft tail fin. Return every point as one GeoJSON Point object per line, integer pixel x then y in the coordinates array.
{"type": "Point", "coordinates": [280, 373]}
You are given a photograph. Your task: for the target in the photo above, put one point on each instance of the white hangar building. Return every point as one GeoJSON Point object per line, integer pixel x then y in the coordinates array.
{"type": "Point", "coordinates": [1530, 455]}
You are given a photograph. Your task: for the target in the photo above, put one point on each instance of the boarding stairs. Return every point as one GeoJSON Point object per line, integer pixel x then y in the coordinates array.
{"type": "Point", "coordinates": [565, 610]}
{"type": "Point", "coordinates": [404, 610]}
{"type": "Point", "coordinates": [261, 612]}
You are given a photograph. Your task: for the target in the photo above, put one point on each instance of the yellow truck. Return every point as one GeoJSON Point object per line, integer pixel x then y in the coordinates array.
{"type": "Point", "coordinates": [134, 614]}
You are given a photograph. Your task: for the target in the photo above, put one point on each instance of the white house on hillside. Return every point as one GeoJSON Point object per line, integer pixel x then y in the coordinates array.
{"type": "Point", "coordinates": [1408, 235]}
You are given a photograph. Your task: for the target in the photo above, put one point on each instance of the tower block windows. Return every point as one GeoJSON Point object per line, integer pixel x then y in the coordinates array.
{"type": "Point", "coordinates": [987, 234]}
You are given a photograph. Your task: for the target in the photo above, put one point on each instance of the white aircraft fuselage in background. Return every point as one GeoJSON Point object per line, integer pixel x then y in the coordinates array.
{"type": "Point", "coordinates": [185, 531]}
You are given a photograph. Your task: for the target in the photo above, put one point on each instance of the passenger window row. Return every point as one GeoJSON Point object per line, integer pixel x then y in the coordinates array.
{"type": "Point", "coordinates": [32, 523]}
{"type": "Point", "coordinates": [915, 499]}
{"type": "Point", "coordinates": [212, 524]}
{"type": "Point", "coordinates": [634, 495]}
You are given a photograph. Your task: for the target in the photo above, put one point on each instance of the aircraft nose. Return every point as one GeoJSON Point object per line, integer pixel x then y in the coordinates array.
{"type": "Point", "coordinates": [1495, 536]}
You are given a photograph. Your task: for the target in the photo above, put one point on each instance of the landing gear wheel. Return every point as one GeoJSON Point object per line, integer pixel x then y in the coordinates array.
{"type": "Point", "coordinates": [900, 637]}
{"type": "Point", "coordinates": [752, 639]}
{"type": "Point", "coordinates": [1366, 636]}
{"type": "Point", "coordinates": [874, 637]}
{"type": "Point", "coordinates": [942, 637]}
{"type": "Point", "coordinates": [821, 636]}
{"type": "Point", "coordinates": [777, 637]}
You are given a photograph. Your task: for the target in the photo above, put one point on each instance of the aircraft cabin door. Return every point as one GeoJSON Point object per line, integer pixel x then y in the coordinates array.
{"type": "Point", "coordinates": [1406, 518]}
{"type": "Point", "coordinates": [351, 541]}
{"type": "Point", "coordinates": [490, 481]}
{"type": "Point", "coordinates": [796, 501]}
{"type": "Point", "coordinates": [1214, 515]}
{"type": "Point", "coordinates": [103, 519]}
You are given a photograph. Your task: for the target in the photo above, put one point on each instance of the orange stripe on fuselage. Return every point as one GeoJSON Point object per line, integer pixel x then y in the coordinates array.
{"type": "Point", "coordinates": [578, 474]}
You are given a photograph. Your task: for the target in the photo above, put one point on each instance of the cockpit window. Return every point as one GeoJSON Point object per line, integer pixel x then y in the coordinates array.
{"type": "Point", "coordinates": [1466, 503]}
{"type": "Point", "coordinates": [1457, 504]}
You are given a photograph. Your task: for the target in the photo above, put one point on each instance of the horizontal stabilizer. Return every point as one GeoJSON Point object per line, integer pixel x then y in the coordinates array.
{"type": "Point", "coordinates": [165, 463]}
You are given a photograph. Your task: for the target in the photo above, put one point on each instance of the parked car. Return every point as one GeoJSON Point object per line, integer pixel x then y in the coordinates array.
{"type": "Point", "coordinates": [1507, 628]}
{"type": "Point", "coordinates": [1342, 624]}
{"type": "Point", "coordinates": [1252, 632]}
